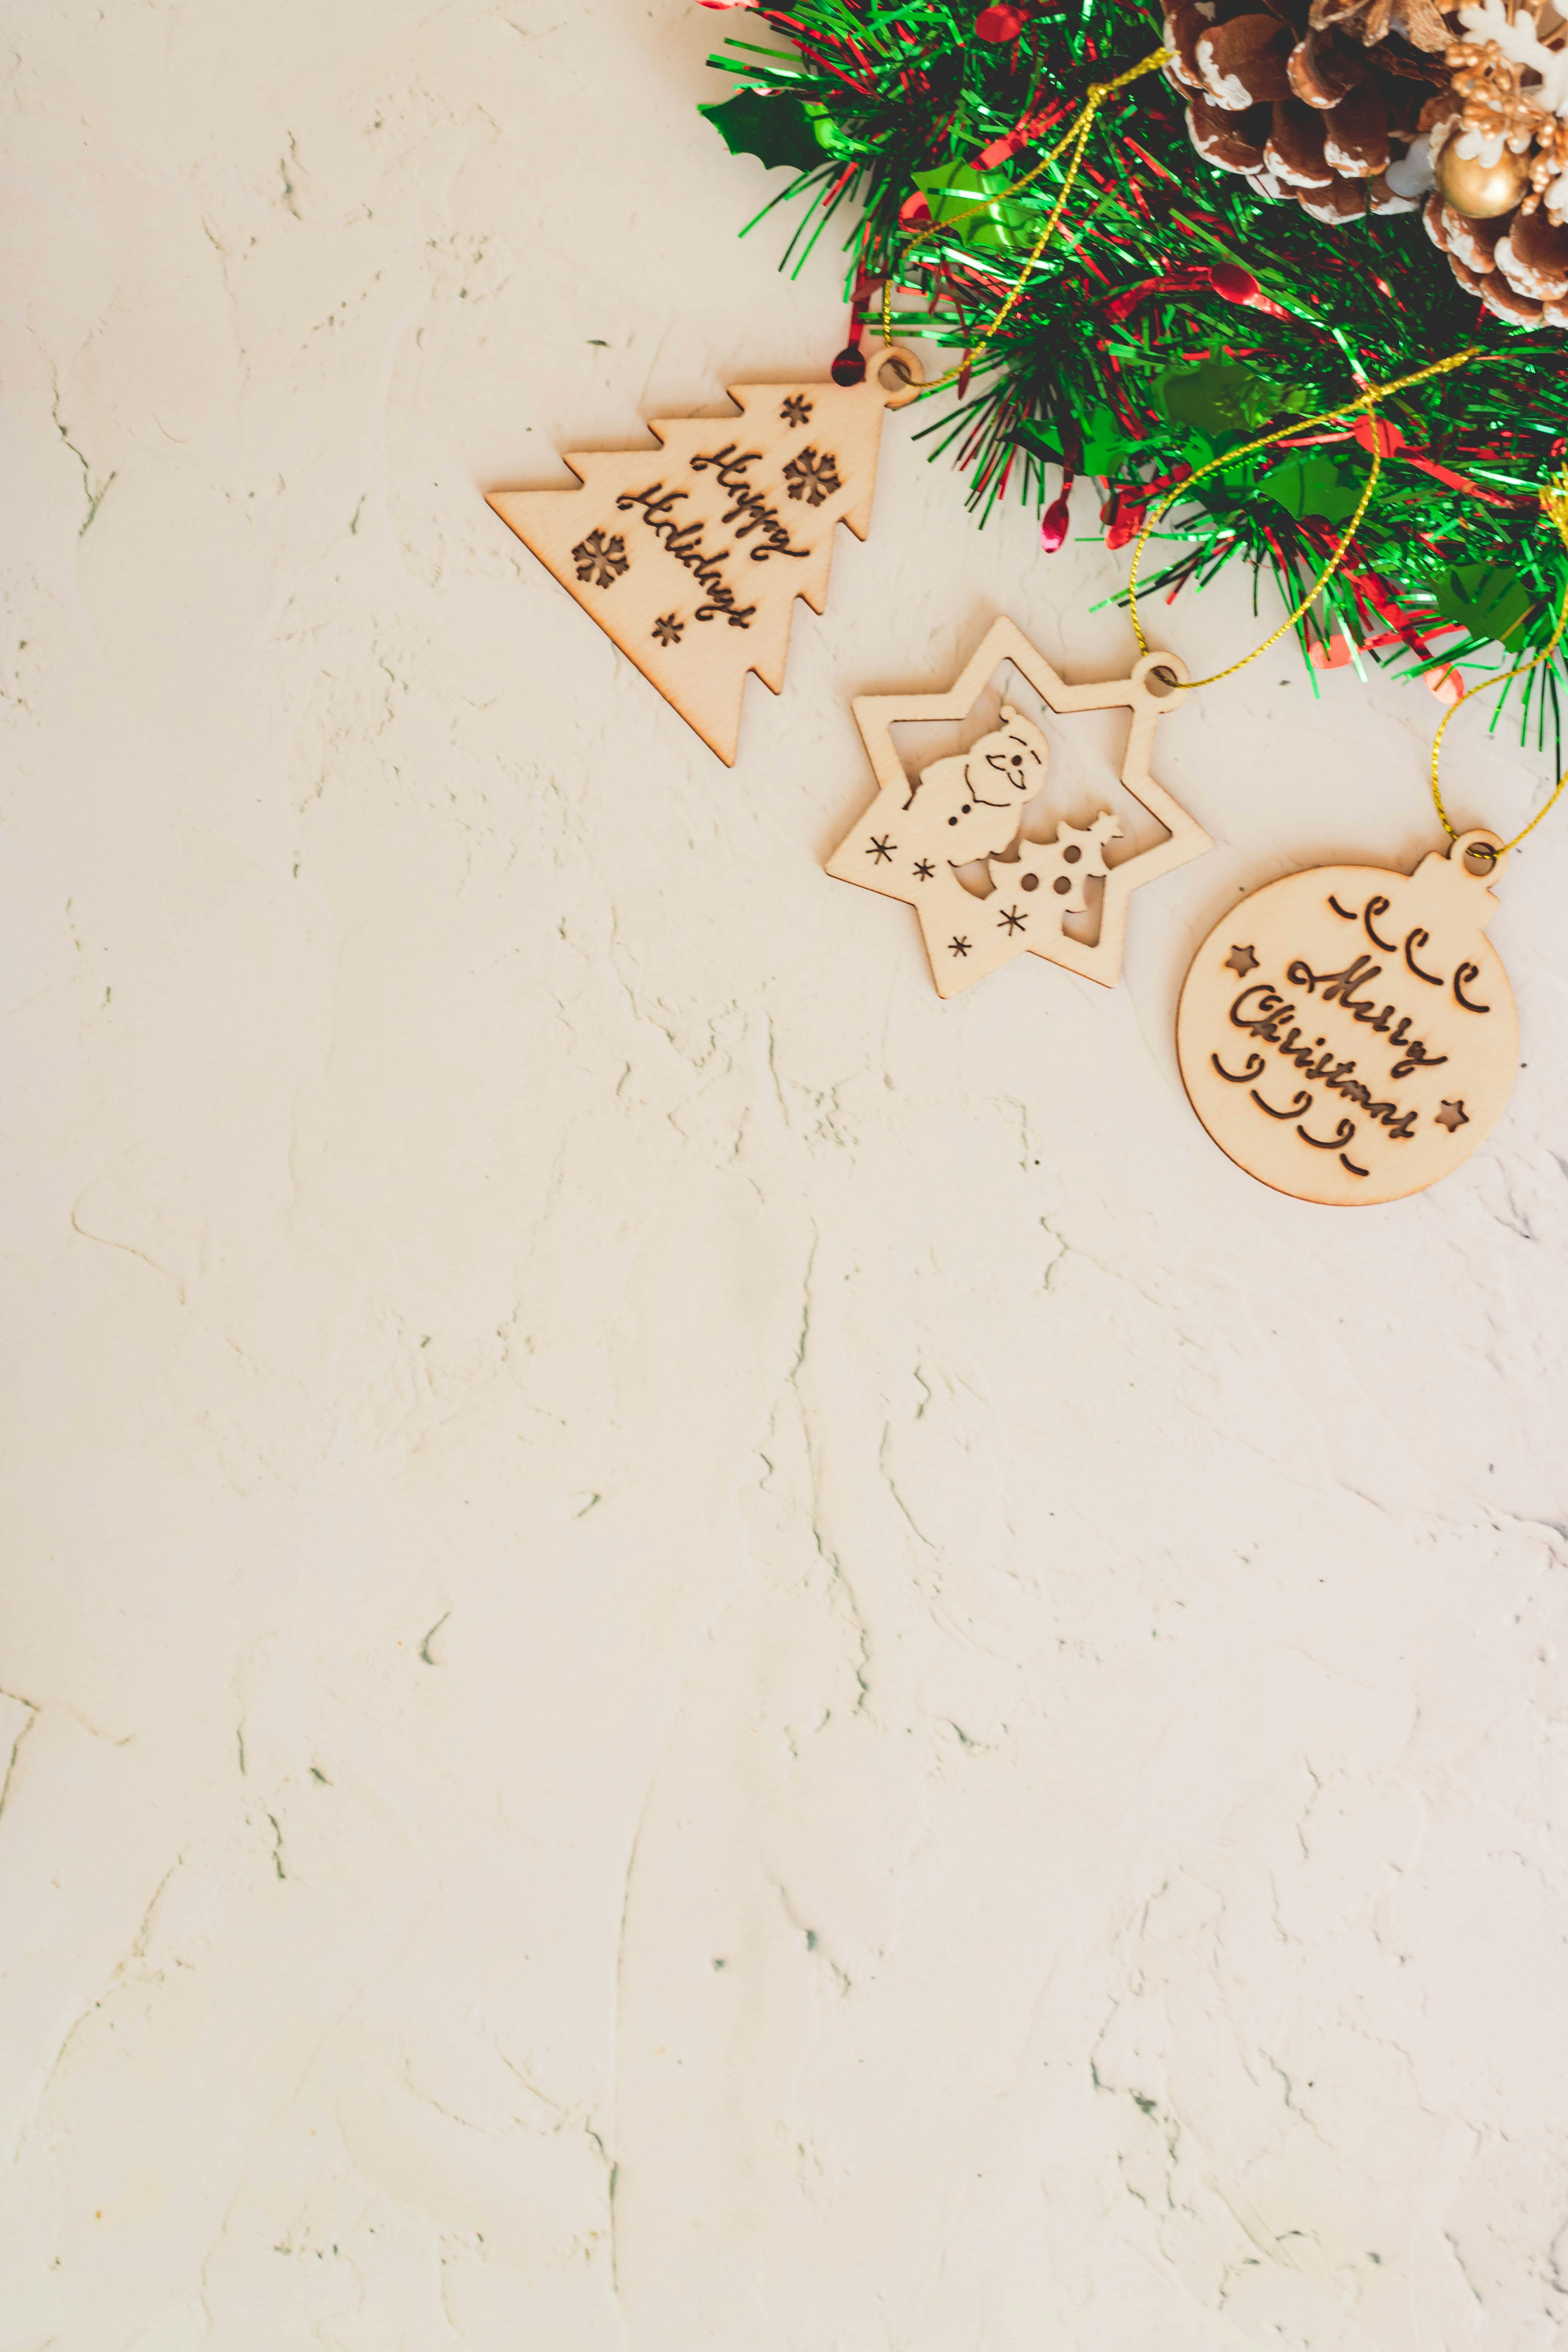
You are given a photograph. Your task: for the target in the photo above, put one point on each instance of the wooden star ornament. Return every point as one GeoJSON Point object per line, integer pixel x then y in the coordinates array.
{"type": "Point", "coordinates": [980, 811]}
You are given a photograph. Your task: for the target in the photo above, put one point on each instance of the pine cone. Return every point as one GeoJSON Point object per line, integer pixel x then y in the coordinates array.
{"type": "Point", "coordinates": [1312, 101]}
{"type": "Point", "coordinates": [1323, 69]}
{"type": "Point", "coordinates": [1518, 265]}
{"type": "Point", "coordinates": [1420, 21]}
{"type": "Point", "coordinates": [1533, 258]}
{"type": "Point", "coordinates": [1343, 107]}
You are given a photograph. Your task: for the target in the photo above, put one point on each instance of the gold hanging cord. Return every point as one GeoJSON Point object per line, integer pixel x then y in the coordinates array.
{"type": "Point", "coordinates": [1554, 505]}
{"type": "Point", "coordinates": [1364, 400]}
{"type": "Point", "coordinates": [1554, 498]}
{"type": "Point", "coordinates": [1072, 143]}
{"type": "Point", "coordinates": [1075, 137]}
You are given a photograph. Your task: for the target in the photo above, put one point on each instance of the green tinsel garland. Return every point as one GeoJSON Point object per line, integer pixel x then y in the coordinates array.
{"type": "Point", "coordinates": [873, 106]}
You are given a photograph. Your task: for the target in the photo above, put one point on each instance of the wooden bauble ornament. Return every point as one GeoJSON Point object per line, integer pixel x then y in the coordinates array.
{"type": "Point", "coordinates": [1349, 1034]}
{"type": "Point", "coordinates": [1481, 191]}
{"type": "Point", "coordinates": [982, 807]}
{"type": "Point", "coordinates": [690, 555]}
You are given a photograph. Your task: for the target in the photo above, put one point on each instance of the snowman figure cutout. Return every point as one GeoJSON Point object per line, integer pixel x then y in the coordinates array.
{"type": "Point", "coordinates": [989, 876]}
{"type": "Point", "coordinates": [971, 806]}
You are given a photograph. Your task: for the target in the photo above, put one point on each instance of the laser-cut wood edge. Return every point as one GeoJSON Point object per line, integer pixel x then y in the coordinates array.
{"type": "Point", "coordinates": [876, 715]}
{"type": "Point", "coordinates": [1268, 913]}
{"type": "Point", "coordinates": [707, 690]}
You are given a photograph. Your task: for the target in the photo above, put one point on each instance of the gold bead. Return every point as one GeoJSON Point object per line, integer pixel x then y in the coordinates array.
{"type": "Point", "coordinates": [1481, 191]}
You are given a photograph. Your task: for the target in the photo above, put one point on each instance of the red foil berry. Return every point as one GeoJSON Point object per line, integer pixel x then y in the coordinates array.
{"type": "Point", "coordinates": [1235, 284]}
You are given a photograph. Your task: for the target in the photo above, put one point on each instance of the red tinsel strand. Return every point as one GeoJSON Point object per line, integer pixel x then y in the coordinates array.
{"type": "Point", "coordinates": [1081, 364]}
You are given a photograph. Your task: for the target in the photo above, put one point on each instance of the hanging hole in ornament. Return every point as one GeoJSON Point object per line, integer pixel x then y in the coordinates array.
{"type": "Point", "coordinates": [1479, 860]}
{"type": "Point", "coordinates": [1162, 684]}
{"type": "Point", "coordinates": [899, 376]}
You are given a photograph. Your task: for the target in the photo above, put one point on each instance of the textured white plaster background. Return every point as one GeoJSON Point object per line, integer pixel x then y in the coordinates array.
{"type": "Point", "coordinates": [698, 1653]}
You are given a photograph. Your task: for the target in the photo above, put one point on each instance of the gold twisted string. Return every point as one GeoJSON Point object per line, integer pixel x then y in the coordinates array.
{"type": "Point", "coordinates": [1554, 512]}
{"type": "Point", "coordinates": [1554, 506]}
{"type": "Point", "coordinates": [1365, 401]}
{"type": "Point", "coordinates": [1074, 138]}
{"type": "Point", "coordinates": [1553, 497]}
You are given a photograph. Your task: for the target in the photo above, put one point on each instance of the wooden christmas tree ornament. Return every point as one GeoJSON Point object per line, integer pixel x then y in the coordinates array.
{"type": "Point", "coordinates": [1348, 1034]}
{"type": "Point", "coordinates": [690, 555]}
{"type": "Point", "coordinates": [978, 810]}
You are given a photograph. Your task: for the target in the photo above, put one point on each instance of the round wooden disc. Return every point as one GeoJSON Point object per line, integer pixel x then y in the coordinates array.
{"type": "Point", "coordinates": [1349, 1034]}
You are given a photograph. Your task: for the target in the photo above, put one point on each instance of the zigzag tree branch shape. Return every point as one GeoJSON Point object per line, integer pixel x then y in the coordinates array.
{"type": "Point", "coordinates": [690, 555]}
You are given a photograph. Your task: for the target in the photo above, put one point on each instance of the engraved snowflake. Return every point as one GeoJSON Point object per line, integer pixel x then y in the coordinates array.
{"type": "Point", "coordinates": [795, 411]}
{"type": "Point", "coordinates": [812, 478]}
{"type": "Point", "coordinates": [601, 560]}
{"type": "Point", "coordinates": [1011, 919]}
{"type": "Point", "coordinates": [958, 947]}
{"type": "Point", "coordinates": [668, 630]}
{"type": "Point", "coordinates": [882, 848]}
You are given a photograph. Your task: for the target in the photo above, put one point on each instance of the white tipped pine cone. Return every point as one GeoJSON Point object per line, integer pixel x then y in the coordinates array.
{"type": "Point", "coordinates": [1473, 242]}
{"type": "Point", "coordinates": [1356, 134]}
{"type": "Point", "coordinates": [1183, 23]}
{"type": "Point", "coordinates": [1533, 258]}
{"type": "Point", "coordinates": [1233, 142]}
{"type": "Point", "coordinates": [1341, 107]}
{"type": "Point", "coordinates": [1323, 69]}
{"type": "Point", "coordinates": [1294, 151]}
{"type": "Point", "coordinates": [1243, 62]}
{"type": "Point", "coordinates": [1519, 310]}
{"type": "Point", "coordinates": [1341, 201]}
{"type": "Point", "coordinates": [1273, 191]}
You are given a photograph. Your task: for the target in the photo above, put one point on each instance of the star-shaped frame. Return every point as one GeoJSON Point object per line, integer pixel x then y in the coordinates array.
{"type": "Point", "coordinates": [897, 847]}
